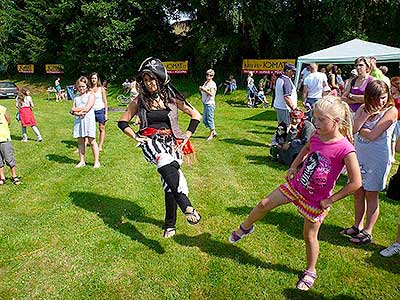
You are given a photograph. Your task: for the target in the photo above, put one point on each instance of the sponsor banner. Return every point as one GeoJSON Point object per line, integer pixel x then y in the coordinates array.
{"type": "Point", "coordinates": [54, 69]}
{"type": "Point", "coordinates": [27, 69]}
{"type": "Point", "coordinates": [177, 67]}
{"type": "Point", "coordinates": [265, 66]}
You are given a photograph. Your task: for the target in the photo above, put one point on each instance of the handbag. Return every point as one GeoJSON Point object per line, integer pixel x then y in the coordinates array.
{"type": "Point", "coordinates": [393, 189]}
{"type": "Point", "coordinates": [18, 117]}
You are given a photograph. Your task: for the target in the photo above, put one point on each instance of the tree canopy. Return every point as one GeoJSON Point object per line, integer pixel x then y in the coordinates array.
{"type": "Point", "coordinates": [113, 36]}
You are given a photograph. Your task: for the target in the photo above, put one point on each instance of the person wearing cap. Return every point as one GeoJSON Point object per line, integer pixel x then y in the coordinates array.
{"type": "Point", "coordinates": [313, 89]}
{"type": "Point", "coordinates": [285, 94]}
{"type": "Point", "coordinates": [208, 91]}
{"type": "Point", "coordinates": [298, 134]}
{"type": "Point", "coordinates": [160, 138]}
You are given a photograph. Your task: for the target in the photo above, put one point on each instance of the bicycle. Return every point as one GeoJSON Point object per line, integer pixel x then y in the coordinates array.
{"type": "Point", "coordinates": [124, 99]}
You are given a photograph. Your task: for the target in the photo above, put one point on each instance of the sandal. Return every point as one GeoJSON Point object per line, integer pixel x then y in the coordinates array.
{"type": "Point", "coordinates": [2, 181]}
{"type": "Point", "coordinates": [16, 180]}
{"type": "Point", "coordinates": [194, 214]}
{"type": "Point", "coordinates": [351, 231]}
{"type": "Point", "coordinates": [363, 238]}
{"type": "Point", "coordinates": [235, 237]}
{"type": "Point", "coordinates": [306, 284]}
{"type": "Point", "coordinates": [169, 232]}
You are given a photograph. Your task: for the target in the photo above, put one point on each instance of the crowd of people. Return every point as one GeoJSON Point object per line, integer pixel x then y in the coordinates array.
{"type": "Point", "coordinates": [344, 125]}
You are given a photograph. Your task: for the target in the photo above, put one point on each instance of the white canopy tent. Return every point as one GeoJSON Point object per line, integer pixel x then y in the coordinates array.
{"type": "Point", "coordinates": [347, 53]}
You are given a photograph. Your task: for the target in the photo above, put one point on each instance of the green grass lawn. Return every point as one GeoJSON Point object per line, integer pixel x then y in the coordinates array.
{"type": "Point", "coordinates": [87, 233]}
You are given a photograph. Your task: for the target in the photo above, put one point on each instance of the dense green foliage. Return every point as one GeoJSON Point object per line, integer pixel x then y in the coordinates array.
{"type": "Point", "coordinates": [69, 233]}
{"type": "Point", "coordinates": [113, 36]}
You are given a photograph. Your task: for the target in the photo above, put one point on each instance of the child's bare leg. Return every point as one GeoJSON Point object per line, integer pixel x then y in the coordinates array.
{"type": "Point", "coordinates": [310, 232]}
{"type": "Point", "coordinates": [359, 208]}
{"type": "Point", "coordinates": [102, 135]}
{"type": "Point", "coordinates": [13, 171]}
{"type": "Point", "coordinates": [81, 149]}
{"type": "Point", "coordinates": [2, 176]}
{"type": "Point", "coordinates": [95, 150]}
{"type": "Point", "coordinates": [372, 210]}
{"type": "Point", "coordinates": [276, 198]}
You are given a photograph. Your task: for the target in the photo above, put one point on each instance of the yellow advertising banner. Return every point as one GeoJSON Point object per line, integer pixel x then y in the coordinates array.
{"type": "Point", "coordinates": [54, 69]}
{"type": "Point", "coordinates": [177, 67]}
{"type": "Point", "coordinates": [265, 66]}
{"type": "Point", "coordinates": [27, 69]}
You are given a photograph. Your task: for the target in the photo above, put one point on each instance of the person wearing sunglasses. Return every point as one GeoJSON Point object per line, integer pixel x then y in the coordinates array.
{"type": "Point", "coordinates": [208, 91]}
{"type": "Point", "coordinates": [354, 93]}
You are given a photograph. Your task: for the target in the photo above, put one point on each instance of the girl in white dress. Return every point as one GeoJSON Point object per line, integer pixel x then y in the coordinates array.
{"type": "Point", "coordinates": [85, 123]}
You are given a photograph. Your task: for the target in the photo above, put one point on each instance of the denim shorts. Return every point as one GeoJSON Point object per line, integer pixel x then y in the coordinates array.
{"type": "Point", "coordinates": [100, 115]}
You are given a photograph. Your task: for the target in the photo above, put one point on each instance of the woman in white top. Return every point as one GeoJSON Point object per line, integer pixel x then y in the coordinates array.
{"type": "Point", "coordinates": [208, 91]}
{"type": "Point", "coordinates": [24, 104]}
{"type": "Point", "coordinates": [100, 106]}
{"type": "Point", "coordinates": [85, 123]}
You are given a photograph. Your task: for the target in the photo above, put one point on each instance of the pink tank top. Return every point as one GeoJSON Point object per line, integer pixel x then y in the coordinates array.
{"type": "Point", "coordinates": [321, 169]}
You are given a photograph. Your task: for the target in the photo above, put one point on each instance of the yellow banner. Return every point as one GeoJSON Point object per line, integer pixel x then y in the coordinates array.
{"type": "Point", "coordinates": [265, 66]}
{"type": "Point", "coordinates": [177, 67]}
{"type": "Point", "coordinates": [26, 69]}
{"type": "Point", "coordinates": [54, 69]}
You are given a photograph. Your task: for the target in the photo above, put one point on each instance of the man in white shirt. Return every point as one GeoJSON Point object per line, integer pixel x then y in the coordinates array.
{"type": "Point", "coordinates": [285, 94]}
{"type": "Point", "coordinates": [303, 75]}
{"type": "Point", "coordinates": [314, 85]}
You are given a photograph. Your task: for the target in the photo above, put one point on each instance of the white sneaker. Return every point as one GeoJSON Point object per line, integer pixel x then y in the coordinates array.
{"type": "Point", "coordinates": [390, 251]}
{"type": "Point", "coordinates": [24, 140]}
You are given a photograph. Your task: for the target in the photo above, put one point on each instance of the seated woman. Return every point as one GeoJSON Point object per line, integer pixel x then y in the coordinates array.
{"type": "Point", "coordinates": [286, 143]}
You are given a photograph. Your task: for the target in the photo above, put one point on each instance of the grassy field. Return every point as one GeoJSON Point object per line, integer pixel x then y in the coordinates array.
{"type": "Point", "coordinates": [87, 233]}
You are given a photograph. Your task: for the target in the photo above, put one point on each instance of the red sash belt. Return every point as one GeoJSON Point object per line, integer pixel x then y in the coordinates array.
{"type": "Point", "coordinates": [149, 132]}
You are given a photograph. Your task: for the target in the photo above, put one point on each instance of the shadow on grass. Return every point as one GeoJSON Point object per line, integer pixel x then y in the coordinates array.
{"type": "Point", "coordinates": [61, 159]}
{"type": "Point", "coordinates": [292, 224]}
{"type": "Point", "coordinates": [113, 211]}
{"type": "Point", "coordinates": [70, 143]}
{"type": "Point", "coordinates": [268, 130]}
{"type": "Point", "coordinates": [238, 103]}
{"type": "Point", "coordinates": [389, 264]}
{"type": "Point", "coordinates": [267, 115]}
{"type": "Point", "coordinates": [294, 294]}
{"type": "Point", "coordinates": [224, 250]}
{"type": "Point", "coordinates": [244, 142]}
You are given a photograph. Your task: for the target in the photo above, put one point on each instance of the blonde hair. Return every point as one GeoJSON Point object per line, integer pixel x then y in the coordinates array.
{"type": "Point", "coordinates": [336, 108]}
{"type": "Point", "coordinates": [81, 79]}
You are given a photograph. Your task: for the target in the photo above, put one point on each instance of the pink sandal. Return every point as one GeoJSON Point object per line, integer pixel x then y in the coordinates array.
{"type": "Point", "coordinates": [235, 237]}
{"type": "Point", "coordinates": [306, 284]}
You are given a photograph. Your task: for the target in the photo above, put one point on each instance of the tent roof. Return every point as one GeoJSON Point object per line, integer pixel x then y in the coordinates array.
{"type": "Point", "coordinates": [348, 52]}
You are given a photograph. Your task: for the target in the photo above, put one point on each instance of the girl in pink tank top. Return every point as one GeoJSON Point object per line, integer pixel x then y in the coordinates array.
{"type": "Point", "coordinates": [311, 179]}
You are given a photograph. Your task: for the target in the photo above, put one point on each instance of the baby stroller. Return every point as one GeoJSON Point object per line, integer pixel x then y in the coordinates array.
{"type": "Point", "coordinates": [257, 98]}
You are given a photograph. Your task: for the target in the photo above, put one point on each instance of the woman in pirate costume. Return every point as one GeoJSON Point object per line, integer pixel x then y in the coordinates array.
{"type": "Point", "coordinates": [160, 138]}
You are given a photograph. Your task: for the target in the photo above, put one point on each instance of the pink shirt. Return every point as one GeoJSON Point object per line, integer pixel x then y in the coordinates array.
{"type": "Point", "coordinates": [321, 169]}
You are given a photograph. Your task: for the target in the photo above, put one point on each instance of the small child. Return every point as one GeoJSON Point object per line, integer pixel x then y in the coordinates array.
{"type": "Point", "coordinates": [25, 104]}
{"type": "Point", "coordinates": [374, 123]}
{"type": "Point", "coordinates": [311, 179]}
{"type": "Point", "coordinates": [6, 148]}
